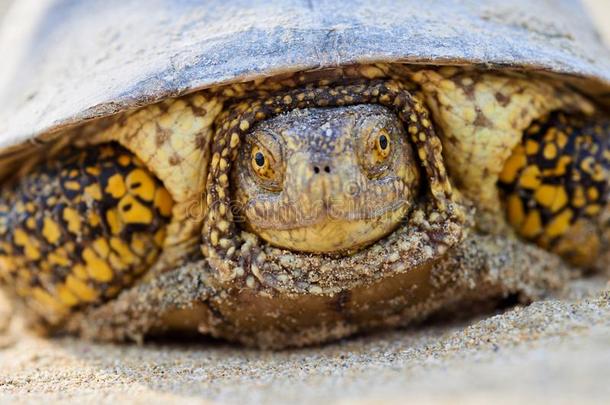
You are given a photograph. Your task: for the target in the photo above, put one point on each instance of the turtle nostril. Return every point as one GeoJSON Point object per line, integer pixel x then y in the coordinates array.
{"type": "Point", "coordinates": [318, 169]}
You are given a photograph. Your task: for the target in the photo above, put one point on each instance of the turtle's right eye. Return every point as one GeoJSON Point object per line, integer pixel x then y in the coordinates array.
{"type": "Point", "coordinates": [266, 161]}
{"type": "Point", "coordinates": [261, 163]}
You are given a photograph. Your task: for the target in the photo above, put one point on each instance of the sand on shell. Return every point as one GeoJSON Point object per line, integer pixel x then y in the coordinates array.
{"type": "Point", "coordinates": [556, 350]}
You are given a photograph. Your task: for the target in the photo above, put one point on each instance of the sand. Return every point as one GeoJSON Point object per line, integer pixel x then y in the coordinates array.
{"type": "Point", "coordinates": [556, 350]}
{"type": "Point", "coordinates": [553, 350]}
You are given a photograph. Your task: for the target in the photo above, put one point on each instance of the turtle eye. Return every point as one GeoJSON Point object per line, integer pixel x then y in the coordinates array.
{"type": "Point", "coordinates": [382, 145]}
{"type": "Point", "coordinates": [265, 162]}
{"type": "Point", "coordinates": [376, 149]}
{"type": "Point", "coordinates": [261, 163]}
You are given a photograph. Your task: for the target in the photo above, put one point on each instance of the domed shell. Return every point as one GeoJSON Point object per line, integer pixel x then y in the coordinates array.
{"type": "Point", "coordinates": [65, 62]}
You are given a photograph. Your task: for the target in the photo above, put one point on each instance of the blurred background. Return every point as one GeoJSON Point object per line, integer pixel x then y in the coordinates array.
{"type": "Point", "coordinates": [600, 12]}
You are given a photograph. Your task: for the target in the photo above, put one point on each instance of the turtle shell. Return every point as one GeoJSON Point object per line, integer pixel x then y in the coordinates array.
{"type": "Point", "coordinates": [65, 62]}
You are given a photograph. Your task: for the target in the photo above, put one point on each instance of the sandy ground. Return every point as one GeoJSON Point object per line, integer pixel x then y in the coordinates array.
{"type": "Point", "coordinates": [557, 350]}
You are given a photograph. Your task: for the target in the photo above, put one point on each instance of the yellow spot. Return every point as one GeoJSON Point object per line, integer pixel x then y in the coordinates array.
{"type": "Point", "coordinates": [116, 263]}
{"type": "Point", "coordinates": [160, 237]}
{"type": "Point", "coordinates": [561, 199]}
{"type": "Point", "coordinates": [66, 296]}
{"type": "Point", "coordinates": [93, 170]}
{"type": "Point", "coordinates": [550, 151]}
{"type": "Point", "coordinates": [30, 223]}
{"type": "Point", "coordinates": [592, 193]}
{"type": "Point", "coordinates": [112, 218]}
{"type": "Point", "coordinates": [101, 247]}
{"type": "Point", "coordinates": [79, 271]}
{"type": "Point", "coordinates": [559, 224]}
{"type": "Point", "coordinates": [97, 268]}
{"type": "Point", "coordinates": [216, 156]}
{"type": "Point", "coordinates": [94, 191]}
{"type": "Point", "coordinates": [234, 139]}
{"type": "Point", "coordinates": [223, 226]}
{"type": "Point", "coordinates": [593, 209]}
{"type": "Point", "coordinates": [578, 199]}
{"type": "Point", "coordinates": [530, 178]}
{"type": "Point", "coordinates": [516, 213]}
{"type": "Point", "coordinates": [512, 166]}
{"type": "Point", "coordinates": [7, 264]}
{"type": "Point", "coordinates": [562, 139]}
{"type": "Point", "coordinates": [141, 184]}
{"type": "Point", "coordinates": [30, 247]}
{"type": "Point", "coordinates": [50, 230]}
{"type": "Point", "coordinates": [244, 126]}
{"type": "Point", "coordinates": [72, 185]}
{"type": "Point", "coordinates": [81, 289]}
{"type": "Point", "coordinates": [59, 258]}
{"type": "Point", "coordinates": [131, 211]}
{"type": "Point", "coordinates": [93, 219]}
{"type": "Point", "coordinates": [163, 202]}
{"type": "Point", "coordinates": [72, 217]}
{"type": "Point", "coordinates": [531, 147]}
{"type": "Point", "coordinates": [124, 160]}
{"type": "Point", "coordinates": [139, 245]}
{"type": "Point", "coordinates": [562, 165]}
{"type": "Point", "coordinates": [116, 186]}
{"type": "Point", "coordinates": [546, 194]}
{"type": "Point", "coordinates": [126, 255]}
{"type": "Point", "coordinates": [532, 225]}
{"type": "Point", "coordinates": [47, 300]}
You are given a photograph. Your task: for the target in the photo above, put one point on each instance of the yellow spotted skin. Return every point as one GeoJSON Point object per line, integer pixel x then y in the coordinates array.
{"type": "Point", "coordinates": [556, 178]}
{"type": "Point", "coordinates": [81, 227]}
{"type": "Point", "coordinates": [221, 240]}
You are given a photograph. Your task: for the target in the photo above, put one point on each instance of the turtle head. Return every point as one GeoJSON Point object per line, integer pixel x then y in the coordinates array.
{"type": "Point", "coordinates": [326, 180]}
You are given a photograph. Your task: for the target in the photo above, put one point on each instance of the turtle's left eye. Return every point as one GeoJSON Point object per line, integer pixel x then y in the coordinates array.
{"type": "Point", "coordinates": [382, 145]}
{"type": "Point", "coordinates": [376, 150]}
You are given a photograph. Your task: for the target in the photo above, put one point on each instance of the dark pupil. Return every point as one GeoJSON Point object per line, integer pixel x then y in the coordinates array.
{"type": "Point", "coordinates": [259, 158]}
{"type": "Point", "coordinates": [383, 142]}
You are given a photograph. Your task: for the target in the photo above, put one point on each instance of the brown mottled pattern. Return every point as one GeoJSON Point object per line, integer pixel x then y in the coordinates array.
{"type": "Point", "coordinates": [80, 227]}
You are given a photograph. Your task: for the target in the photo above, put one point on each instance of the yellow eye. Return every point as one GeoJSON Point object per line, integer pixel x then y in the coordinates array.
{"type": "Point", "coordinates": [262, 163]}
{"type": "Point", "coordinates": [382, 145]}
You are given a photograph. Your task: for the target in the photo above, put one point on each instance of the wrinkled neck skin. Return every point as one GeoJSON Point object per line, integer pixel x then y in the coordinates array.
{"type": "Point", "coordinates": [331, 192]}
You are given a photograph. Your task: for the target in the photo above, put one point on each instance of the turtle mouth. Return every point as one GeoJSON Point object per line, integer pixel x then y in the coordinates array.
{"type": "Point", "coordinates": [377, 203]}
{"type": "Point", "coordinates": [330, 229]}
{"type": "Point", "coordinates": [323, 212]}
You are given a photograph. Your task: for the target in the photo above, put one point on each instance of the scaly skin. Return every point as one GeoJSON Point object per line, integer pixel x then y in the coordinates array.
{"type": "Point", "coordinates": [349, 182]}
{"type": "Point", "coordinates": [454, 133]}
{"type": "Point", "coordinates": [556, 184]}
{"type": "Point", "coordinates": [80, 228]}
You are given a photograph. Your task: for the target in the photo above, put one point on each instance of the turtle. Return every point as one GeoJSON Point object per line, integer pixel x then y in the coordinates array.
{"type": "Point", "coordinates": [287, 173]}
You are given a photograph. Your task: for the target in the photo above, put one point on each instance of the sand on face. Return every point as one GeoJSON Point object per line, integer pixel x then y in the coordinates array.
{"type": "Point", "coordinates": [556, 350]}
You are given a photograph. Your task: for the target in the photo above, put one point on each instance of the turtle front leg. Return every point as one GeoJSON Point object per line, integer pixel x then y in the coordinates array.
{"type": "Point", "coordinates": [555, 187]}
{"type": "Point", "coordinates": [80, 227]}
